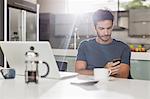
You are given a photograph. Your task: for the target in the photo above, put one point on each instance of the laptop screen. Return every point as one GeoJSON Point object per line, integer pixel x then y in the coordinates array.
{"type": "Point", "coordinates": [14, 51]}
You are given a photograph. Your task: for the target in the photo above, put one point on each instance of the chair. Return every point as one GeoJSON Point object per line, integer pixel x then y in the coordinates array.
{"type": "Point", "coordinates": [62, 65]}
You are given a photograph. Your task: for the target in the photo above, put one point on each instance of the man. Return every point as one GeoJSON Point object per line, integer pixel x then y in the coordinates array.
{"type": "Point", "coordinates": [100, 52]}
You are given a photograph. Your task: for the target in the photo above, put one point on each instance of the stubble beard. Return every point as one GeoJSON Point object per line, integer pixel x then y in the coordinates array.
{"type": "Point", "coordinates": [104, 39]}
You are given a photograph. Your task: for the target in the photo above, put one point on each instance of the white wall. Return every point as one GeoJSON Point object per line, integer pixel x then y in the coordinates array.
{"type": "Point", "coordinates": [53, 6]}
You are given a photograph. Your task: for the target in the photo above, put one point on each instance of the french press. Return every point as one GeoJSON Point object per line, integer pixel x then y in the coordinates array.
{"type": "Point", "coordinates": [32, 61]}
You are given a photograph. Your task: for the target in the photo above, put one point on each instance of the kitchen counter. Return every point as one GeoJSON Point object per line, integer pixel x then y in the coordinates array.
{"type": "Point", "coordinates": [140, 55]}
{"type": "Point", "coordinates": [72, 52]}
{"type": "Point", "coordinates": [65, 52]}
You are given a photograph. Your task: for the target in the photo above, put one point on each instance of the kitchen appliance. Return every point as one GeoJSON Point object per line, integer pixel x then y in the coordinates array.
{"type": "Point", "coordinates": [22, 20]}
{"type": "Point", "coordinates": [32, 64]}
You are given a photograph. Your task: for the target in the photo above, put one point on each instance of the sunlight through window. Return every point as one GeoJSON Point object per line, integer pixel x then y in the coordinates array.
{"type": "Point", "coordinates": [84, 6]}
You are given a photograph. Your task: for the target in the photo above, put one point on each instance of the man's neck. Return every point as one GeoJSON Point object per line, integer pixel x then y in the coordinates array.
{"type": "Point", "coordinates": [103, 42]}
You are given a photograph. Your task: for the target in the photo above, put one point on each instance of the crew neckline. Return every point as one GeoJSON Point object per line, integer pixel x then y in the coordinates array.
{"type": "Point", "coordinates": [113, 40]}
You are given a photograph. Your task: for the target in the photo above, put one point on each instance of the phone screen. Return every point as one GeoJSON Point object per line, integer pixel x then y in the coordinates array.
{"type": "Point", "coordinates": [116, 60]}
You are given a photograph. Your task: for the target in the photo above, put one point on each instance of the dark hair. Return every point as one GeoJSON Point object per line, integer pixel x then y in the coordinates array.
{"type": "Point", "coordinates": [100, 15]}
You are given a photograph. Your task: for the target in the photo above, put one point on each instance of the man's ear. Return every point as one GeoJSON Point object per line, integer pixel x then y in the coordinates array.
{"type": "Point", "coordinates": [112, 26]}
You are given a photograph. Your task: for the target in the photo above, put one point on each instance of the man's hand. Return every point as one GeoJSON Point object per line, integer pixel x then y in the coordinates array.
{"type": "Point", "coordinates": [114, 67]}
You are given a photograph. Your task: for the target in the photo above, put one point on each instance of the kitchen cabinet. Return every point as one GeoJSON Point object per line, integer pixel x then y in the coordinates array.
{"type": "Point", "coordinates": [68, 24]}
{"type": "Point", "coordinates": [140, 69]}
{"type": "Point", "coordinates": [19, 21]}
{"type": "Point", "coordinates": [46, 26]}
{"type": "Point", "coordinates": [139, 22]}
{"type": "Point", "coordinates": [22, 19]}
{"type": "Point", "coordinates": [22, 4]}
{"type": "Point", "coordinates": [65, 30]}
{"type": "Point", "coordinates": [22, 25]}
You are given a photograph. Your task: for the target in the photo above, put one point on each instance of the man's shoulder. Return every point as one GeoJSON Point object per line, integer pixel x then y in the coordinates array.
{"type": "Point", "coordinates": [120, 43]}
{"type": "Point", "coordinates": [88, 41]}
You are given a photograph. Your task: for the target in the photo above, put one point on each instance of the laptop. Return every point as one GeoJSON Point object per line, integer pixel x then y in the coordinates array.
{"type": "Point", "coordinates": [14, 51]}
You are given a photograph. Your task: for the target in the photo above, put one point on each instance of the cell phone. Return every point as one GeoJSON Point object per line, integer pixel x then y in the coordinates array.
{"type": "Point", "coordinates": [116, 60]}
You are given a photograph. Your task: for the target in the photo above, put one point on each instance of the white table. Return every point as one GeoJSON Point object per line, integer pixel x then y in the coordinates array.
{"type": "Point", "coordinates": [62, 89]}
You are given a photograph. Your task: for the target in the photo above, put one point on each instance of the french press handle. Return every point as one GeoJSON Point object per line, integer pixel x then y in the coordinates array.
{"type": "Point", "coordinates": [47, 69]}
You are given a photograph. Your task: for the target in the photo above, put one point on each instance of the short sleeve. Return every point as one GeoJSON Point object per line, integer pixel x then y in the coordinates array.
{"type": "Point", "coordinates": [81, 51]}
{"type": "Point", "coordinates": [126, 55]}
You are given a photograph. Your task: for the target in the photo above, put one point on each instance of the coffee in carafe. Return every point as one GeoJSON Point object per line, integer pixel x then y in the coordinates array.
{"type": "Point", "coordinates": [31, 72]}
{"type": "Point", "coordinates": [31, 76]}
{"type": "Point", "coordinates": [32, 61]}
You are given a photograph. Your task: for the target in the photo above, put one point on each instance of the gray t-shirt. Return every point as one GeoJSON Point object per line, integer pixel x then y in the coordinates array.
{"type": "Point", "coordinates": [97, 55]}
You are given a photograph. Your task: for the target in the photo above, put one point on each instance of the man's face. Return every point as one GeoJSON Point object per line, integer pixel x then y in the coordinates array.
{"type": "Point", "coordinates": [104, 29]}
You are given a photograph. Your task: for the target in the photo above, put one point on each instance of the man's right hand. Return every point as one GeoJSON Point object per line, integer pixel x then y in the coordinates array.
{"type": "Point", "coordinates": [114, 67]}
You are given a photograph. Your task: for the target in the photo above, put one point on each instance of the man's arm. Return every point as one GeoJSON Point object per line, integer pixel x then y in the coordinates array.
{"type": "Point", "coordinates": [121, 70]}
{"type": "Point", "coordinates": [124, 70]}
{"type": "Point", "coordinates": [80, 67]}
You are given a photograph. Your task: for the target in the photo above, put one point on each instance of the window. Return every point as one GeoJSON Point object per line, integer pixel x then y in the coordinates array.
{"type": "Point", "coordinates": [84, 6]}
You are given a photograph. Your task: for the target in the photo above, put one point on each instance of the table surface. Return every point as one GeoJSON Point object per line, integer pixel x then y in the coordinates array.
{"type": "Point", "coordinates": [116, 88]}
